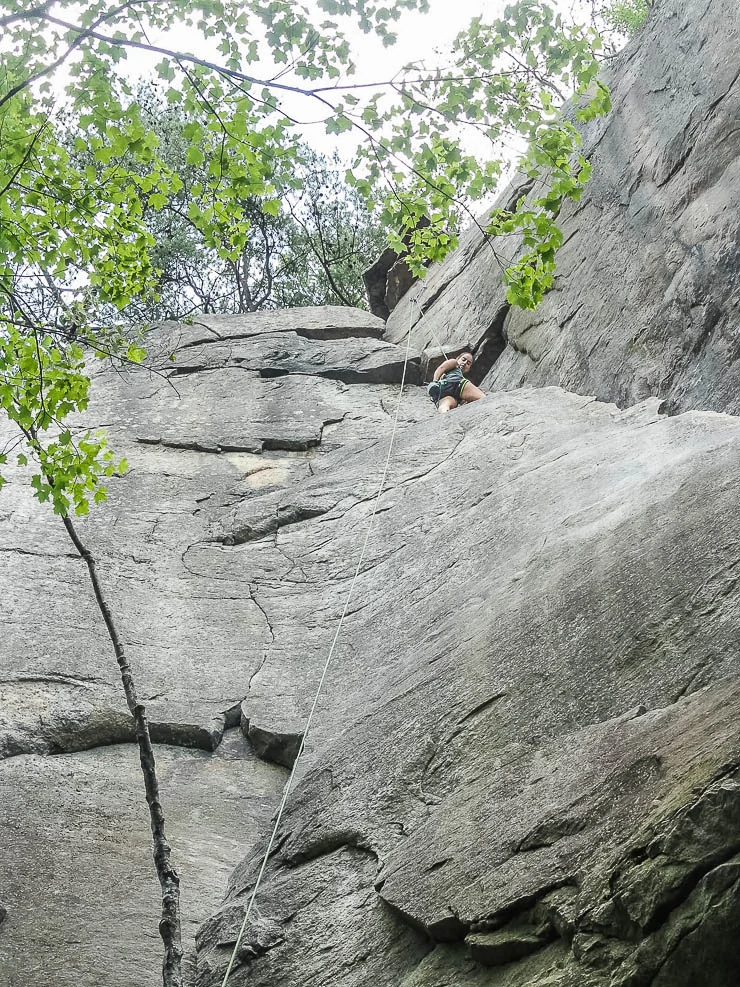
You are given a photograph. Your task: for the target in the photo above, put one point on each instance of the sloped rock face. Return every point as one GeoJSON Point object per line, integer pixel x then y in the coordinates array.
{"type": "Point", "coordinates": [525, 765]}
{"type": "Point", "coordinates": [527, 751]}
{"type": "Point", "coordinates": [647, 296]}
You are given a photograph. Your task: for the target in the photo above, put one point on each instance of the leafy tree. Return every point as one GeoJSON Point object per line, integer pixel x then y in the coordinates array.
{"type": "Point", "coordinates": [625, 17]}
{"type": "Point", "coordinates": [334, 238]}
{"type": "Point", "coordinates": [76, 224]}
{"type": "Point", "coordinates": [312, 251]}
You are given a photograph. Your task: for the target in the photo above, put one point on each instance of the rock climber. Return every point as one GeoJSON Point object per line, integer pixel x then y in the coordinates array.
{"type": "Point", "coordinates": [450, 386]}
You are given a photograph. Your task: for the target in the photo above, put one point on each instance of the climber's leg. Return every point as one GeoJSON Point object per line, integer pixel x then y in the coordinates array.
{"type": "Point", "coordinates": [471, 393]}
{"type": "Point", "coordinates": [446, 404]}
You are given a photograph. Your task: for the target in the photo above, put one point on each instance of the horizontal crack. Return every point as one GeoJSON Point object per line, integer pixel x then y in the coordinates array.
{"type": "Point", "coordinates": [41, 555]}
{"type": "Point", "coordinates": [283, 518]}
{"type": "Point", "coordinates": [327, 333]}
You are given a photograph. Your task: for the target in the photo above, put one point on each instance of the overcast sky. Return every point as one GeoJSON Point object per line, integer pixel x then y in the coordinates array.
{"type": "Point", "coordinates": [420, 34]}
{"type": "Point", "coordinates": [420, 37]}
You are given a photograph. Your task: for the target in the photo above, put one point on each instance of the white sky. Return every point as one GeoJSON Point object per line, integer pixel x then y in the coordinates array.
{"type": "Point", "coordinates": [420, 37]}
{"type": "Point", "coordinates": [419, 34]}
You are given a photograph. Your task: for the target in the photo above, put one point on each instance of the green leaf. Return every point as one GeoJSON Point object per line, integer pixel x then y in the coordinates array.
{"type": "Point", "coordinates": [135, 353]}
{"type": "Point", "coordinates": [194, 156]}
{"type": "Point", "coordinates": [164, 70]}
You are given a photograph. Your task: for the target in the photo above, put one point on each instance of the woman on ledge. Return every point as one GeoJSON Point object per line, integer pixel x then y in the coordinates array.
{"type": "Point", "coordinates": [450, 386]}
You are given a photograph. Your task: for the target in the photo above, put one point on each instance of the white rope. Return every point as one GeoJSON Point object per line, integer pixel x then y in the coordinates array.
{"type": "Point", "coordinates": [421, 316]}
{"type": "Point", "coordinates": [289, 782]}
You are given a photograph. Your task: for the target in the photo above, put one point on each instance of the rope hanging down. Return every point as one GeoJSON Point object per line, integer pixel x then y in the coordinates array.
{"type": "Point", "coordinates": [289, 782]}
{"type": "Point", "coordinates": [415, 299]}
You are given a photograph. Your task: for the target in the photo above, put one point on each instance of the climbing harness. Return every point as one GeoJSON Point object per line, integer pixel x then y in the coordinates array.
{"type": "Point", "coordinates": [435, 388]}
{"type": "Point", "coordinates": [309, 720]}
{"type": "Point", "coordinates": [450, 384]}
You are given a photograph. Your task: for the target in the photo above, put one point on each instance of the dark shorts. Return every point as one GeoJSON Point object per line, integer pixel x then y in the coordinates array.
{"type": "Point", "coordinates": [447, 388]}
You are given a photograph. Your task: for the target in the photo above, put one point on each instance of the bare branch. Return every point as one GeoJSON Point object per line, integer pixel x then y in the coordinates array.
{"type": "Point", "coordinates": [169, 924]}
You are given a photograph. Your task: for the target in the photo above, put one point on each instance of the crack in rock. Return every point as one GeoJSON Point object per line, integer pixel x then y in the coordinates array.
{"type": "Point", "coordinates": [285, 516]}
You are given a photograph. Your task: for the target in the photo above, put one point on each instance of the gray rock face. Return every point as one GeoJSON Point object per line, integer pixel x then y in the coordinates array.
{"type": "Point", "coordinates": [77, 876]}
{"type": "Point", "coordinates": [214, 454]}
{"type": "Point", "coordinates": [647, 295]}
{"type": "Point", "coordinates": [524, 761]}
{"type": "Point", "coordinates": [524, 769]}
{"type": "Point", "coordinates": [536, 687]}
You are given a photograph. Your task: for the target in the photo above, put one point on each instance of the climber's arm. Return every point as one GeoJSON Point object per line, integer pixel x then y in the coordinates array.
{"type": "Point", "coordinates": [444, 367]}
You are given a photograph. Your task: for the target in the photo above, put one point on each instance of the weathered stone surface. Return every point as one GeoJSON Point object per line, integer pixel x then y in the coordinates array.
{"type": "Point", "coordinates": [533, 706]}
{"type": "Point", "coordinates": [646, 298]}
{"type": "Point", "coordinates": [400, 279]}
{"type": "Point", "coordinates": [506, 946]}
{"type": "Point", "coordinates": [77, 877]}
{"type": "Point", "coordinates": [451, 964]}
{"type": "Point", "coordinates": [566, 591]}
{"type": "Point", "coordinates": [208, 457]}
{"type": "Point", "coordinates": [389, 278]}
{"type": "Point", "coordinates": [213, 455]}
{"type": "Point", "coordinates": [335, 926]}
{"type": "Point", "coordinates": [529, 732]}
{"type": "Point", "coordinates": [317, 322]}
{"type": "Point", "coordinates": [277, 353]}
{"type": "Point", "coordinates": [375, 278]}
{"type": "Point", "coordinates": [461, 304]}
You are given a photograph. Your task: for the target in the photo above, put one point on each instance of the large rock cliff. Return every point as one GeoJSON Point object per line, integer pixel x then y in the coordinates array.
{"type": "Point", "coordinates": [647, 292]}
{"type": "Point", "coordinates": [525, 766]}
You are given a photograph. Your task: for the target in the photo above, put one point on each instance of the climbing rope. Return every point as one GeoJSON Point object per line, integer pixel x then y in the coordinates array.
{"type": "Point", "coordinates": [415, 299]}
{"type": "Point", "coordinates": [289, 783]}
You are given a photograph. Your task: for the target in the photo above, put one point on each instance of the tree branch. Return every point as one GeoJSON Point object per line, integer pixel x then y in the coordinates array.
{"type": "Point", "coordinates": [169, 924]}
{"type": "Point", "coordinates": [39, 11]}
{"type": "Point", "coordinates": [83, 34]}
{"type": "Point", "coordinates": [24, 160]}
{"type": "Point", "coordinates": [321, 255]}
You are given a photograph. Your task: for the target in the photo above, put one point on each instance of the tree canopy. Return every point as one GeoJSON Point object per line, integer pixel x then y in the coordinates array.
{"type": "Point", "coordinates": [625, 17]}
{"type": "Point", "coordinates": [311, 252]}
